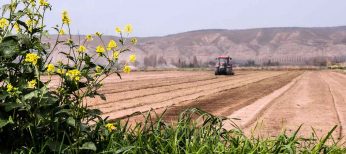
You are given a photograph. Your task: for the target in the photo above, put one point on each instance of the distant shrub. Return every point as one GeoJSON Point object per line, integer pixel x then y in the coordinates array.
{"type": "Point", "coordinates": [250, 63]}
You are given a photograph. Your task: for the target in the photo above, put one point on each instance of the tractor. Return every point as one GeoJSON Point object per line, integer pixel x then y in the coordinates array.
{"type": "Point", "coordinates": [223, 66]}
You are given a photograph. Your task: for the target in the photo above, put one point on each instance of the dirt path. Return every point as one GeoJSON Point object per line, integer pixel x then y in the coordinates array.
{"type": "Point", "coordinates": [316, 100]}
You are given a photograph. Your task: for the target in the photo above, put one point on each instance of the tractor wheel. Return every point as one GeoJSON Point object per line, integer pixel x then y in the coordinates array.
{"type": "Point", "coordinates": [217, 72]}
{"type": "Point", "coordinates": [229, 71]}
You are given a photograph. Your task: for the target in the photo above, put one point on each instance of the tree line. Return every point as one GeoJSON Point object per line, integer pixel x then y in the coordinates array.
{"type": "Point", "coordinates": [153, 60]}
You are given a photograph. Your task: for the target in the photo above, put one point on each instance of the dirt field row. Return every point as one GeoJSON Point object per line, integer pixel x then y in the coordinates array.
{"type": "Point", "coordinates": [226, 102]}
{"type": "Point", "coordinates": [268, 100]}
{"type": "Point", "coordinates": [316, 100]}
{"type": "Point", "coordinates": [130, 96]}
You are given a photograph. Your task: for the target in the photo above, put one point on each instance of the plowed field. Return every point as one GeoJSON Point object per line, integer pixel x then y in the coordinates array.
{"type": "Point", "coordinates": [270, 100]}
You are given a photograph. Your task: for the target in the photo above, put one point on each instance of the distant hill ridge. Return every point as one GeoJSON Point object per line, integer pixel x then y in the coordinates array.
{"type": "Point", "coordinates": [285, 45]}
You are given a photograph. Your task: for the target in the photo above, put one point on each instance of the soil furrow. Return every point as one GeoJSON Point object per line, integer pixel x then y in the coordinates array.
{"type": "Point", "coordinates": [131, 86]}
{"type": "Point", "coordinates": [135, 94]}
{"type": "Point", "coordinates": [228, 101]}
{"type": "Point", "coordinates": [337, 84]}
{"type": "Point", "coordinates": [336, 111]}
{"type": "Point", "coordinates": [311, 102]}
{"type": "Point", "coordinates": [180, 94]}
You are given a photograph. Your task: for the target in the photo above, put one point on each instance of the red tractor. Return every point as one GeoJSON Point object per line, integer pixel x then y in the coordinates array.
{"type": "Point", "coordinates": [223, 66]}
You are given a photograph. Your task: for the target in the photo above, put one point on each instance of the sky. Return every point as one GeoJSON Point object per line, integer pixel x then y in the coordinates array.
{"type": "Point", "coordinates": [163, 17]}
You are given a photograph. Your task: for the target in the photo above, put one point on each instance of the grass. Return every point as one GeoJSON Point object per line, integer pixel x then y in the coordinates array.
{"type": "Point", "coordinates": [207, 136]}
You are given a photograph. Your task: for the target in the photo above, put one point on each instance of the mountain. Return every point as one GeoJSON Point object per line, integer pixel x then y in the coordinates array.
{"type": "Point", "coordinates": [280, 45]}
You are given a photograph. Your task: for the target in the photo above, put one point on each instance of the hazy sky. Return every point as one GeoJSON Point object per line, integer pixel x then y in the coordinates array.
{"type": "Point", "coordinates": [162, 17]}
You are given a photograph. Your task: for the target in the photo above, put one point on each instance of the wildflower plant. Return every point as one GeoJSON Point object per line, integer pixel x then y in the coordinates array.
{"type": "Point", "coordinates": [35, 117]}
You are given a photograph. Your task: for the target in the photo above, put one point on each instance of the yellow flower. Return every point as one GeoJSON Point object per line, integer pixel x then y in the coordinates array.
{"type": "Point", "coordinates": [132, 58]}
{"type": "Point", "coordinates": [32, 2]}
{"type": "Point", "coordinates": [50, 68]}
{"type": "Point", "coordinates": [89, 38]}
{"type": "Point", "coordinates": [98, 34]}
{"type": "Point", "coordinates": [3, 23]}
{"type": "Point", "coordinates": [28, 22]}
{"type": "Point", "coordinates": [43, 3]}
{"type": "Point", "coordinates": [100, 49]}
{"type": "Point", "coordinates": [112, 44]}
{"type": "Point", "coordinates": [73, 74]}
{"type": "Point", "coordinates": [65, 18]}
{"type": "Point", "coordinates": [81, 48]}
{"type": "Point", "coordinates": [134, 41]}
{"type": "Point", "coordinates": [128, 28]}
{"type": "Point", "coordinates": [61, 71]}
{"type": "Point", "coordinates": [110, 127]}
{"type": "Point", "coordinates": [16, 27]}
{"type": "Point", "coordinates": [127, 69]}
{"type": "Point", "coordinates": [61, 32]}
{"type": "Point", "coordinates": [31, 58]}
{"type": "Point", "coordinates": [32, 84]}
{"type": "Point", "coordinates": [118, 29]}
{"type": "Point", "coordinates": [98, 70]}
{"type": "Point", "coordinates": [116, 55]}
{"type": "Point", "coordinates": [9, 87]}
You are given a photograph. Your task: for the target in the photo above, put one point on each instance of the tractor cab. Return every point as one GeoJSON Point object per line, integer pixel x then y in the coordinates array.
{"type": "Point", "coordinates": [223, 66]}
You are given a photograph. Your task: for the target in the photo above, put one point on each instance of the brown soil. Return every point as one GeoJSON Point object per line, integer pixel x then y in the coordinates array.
{"type": "Point", "coordinates": [316, 100]}
{"type": "Point", "coordinates": [144, 94]}
{"type": "Point", "coordinates": [270, 101]}
{"type": "Point", "coordinates": [226, 102]}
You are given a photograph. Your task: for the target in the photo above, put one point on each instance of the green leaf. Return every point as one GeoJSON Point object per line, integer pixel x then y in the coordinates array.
{"type": "Point", "coordinates": [36, 30]}
{"type": "Point", "coordinates": [22, 24]}
{"type": "Point", "coordinates": [66, 111]}
{"type": "Point", "coordinates": [82, 85]}
{"type": "Point", "coordinates": [11, 106]}
{"type": "Point", "coordinates": [71, 121]}
{"type": "Point", "coordinates": [67, 55]}
{"type": "Point", "coordinates": [46, 46]}
{"type": "Point", "coordinates": [125, 149]}
{"type": "Point", "coordinates": [3, 96]}
{"type": "Point", "coordinates": [102, 96]}
{"type": "Point", "coordinates": [88, 62]}
{"type": "Point", "coordinates": [4, 122]}
{"type": "Point", "coordinates": [94, 111]}
{"type": "Point", "coordinates": [9, 47]}
{"type": "Point", "coordinates": [88, 146]}
{"type": "Point", "coordinates": [33, 94]}
{"type": "Point", "coordinates": [55, 146]}
{"type": "Point", "coordinates": [318, 148]}
{"type": "Point", "coordinates": [18, 14]}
